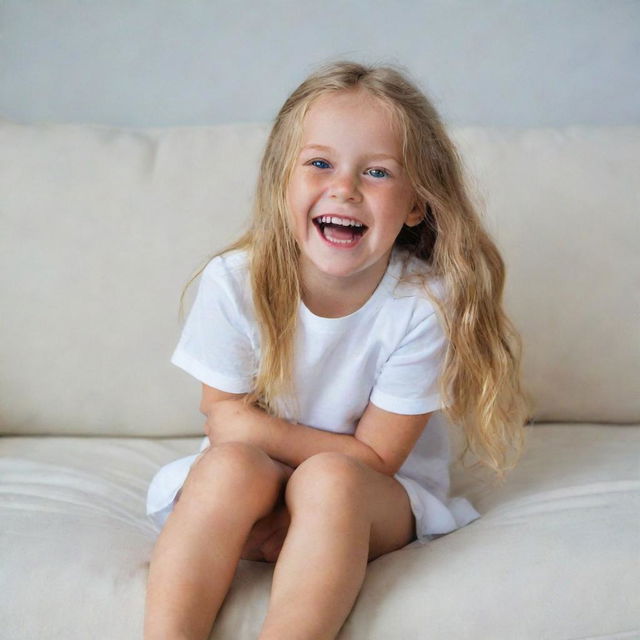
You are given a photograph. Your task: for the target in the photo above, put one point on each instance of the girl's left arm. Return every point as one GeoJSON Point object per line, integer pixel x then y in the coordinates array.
{"type": "Point", "coordinates": [382, 440]}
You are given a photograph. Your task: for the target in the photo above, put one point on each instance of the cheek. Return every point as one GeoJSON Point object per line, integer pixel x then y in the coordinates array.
{"type": "Point", "coordinates": [302, 194]}
{"type": "Point", "coordinates": [294, 192]}
{"type": "Point", "coordinates": [296, 211]}
{"type": "Point", "coordinates": [400, 202]}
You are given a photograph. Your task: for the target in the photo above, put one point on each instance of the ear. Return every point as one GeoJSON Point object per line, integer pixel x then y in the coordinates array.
{"type": "Point", "coordinates": [416, 215]}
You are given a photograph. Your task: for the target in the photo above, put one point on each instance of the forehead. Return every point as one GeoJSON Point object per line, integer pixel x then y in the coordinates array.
{"type": "Point", "coordinates": [350, 117]}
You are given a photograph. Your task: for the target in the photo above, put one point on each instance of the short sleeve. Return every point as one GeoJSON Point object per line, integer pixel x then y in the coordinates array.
{"type": "Point", "coordinates": [215, 346]}
{"type": "Point", "coordinates": [408, 381]}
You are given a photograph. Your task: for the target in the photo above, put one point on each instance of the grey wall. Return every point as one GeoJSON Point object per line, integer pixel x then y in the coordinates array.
{"type": "Point", "coordinates": [186, 62]}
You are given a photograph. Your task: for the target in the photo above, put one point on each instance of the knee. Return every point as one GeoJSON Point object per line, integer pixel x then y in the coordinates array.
{"type": "Point", "coordinates": [240, 465]}
{"type": "Point", "coordinates": [325, 479]}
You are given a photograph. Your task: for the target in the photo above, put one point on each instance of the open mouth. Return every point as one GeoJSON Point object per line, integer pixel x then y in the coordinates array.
{"type": "Point", "coordinates": [339, 231]}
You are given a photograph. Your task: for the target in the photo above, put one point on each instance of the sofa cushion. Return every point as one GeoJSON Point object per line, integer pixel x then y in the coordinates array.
{"type": "Point", "coordinates": [101, 228]}
{"type": "Point", "coordinates": [74, 535]}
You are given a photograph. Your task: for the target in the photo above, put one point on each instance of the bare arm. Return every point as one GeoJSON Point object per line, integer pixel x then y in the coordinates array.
{"type": "Point", "coordinates": [210, 397]}
{"type": "Point", "coordinates": [382, 440]}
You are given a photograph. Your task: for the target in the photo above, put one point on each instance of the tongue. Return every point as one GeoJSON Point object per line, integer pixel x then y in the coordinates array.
{"type": "Point", "coordinates": [338, 232]}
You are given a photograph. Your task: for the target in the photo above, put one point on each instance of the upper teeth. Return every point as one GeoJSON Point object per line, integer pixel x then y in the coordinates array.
{"type": "Point", "coordinates": [342, 221]}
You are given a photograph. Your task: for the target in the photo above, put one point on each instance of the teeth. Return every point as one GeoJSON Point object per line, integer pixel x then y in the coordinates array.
{"type": "Point", "coordinates": [342, 221]}
{"type": "Point", "coordinates": [335, 241]}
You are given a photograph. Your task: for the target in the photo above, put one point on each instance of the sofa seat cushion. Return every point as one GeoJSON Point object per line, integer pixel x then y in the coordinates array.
{"type": "Point", "coordinates": [74, 536]}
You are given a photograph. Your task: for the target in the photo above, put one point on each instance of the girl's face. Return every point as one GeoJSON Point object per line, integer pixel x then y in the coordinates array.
{"type": "Point", "coordinates": [349, 172]}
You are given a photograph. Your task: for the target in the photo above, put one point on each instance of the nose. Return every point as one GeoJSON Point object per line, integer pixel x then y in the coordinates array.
{"type": "Point", "coordinates": [344, 187]}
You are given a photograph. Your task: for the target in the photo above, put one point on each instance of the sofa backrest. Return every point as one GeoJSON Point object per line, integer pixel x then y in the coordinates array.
{"type": "Point", "coordinates": [101, 228]}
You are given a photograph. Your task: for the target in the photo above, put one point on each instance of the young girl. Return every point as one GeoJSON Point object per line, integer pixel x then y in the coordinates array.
{"type": "Point", "coordinates": [335, 342]}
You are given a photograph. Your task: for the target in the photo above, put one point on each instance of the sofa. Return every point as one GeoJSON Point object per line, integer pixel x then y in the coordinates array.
{"type": "Point", "coordinates": [101, 227]}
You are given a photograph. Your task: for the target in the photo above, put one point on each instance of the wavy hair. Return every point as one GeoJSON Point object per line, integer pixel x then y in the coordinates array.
{"type": "Point", "coordinates": [480, 379]}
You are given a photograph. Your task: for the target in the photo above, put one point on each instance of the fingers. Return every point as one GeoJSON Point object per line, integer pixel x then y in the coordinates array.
{"type": "Point", "coordinates": [272, 546]}
{"type": "Point", "coordinates": [275, 522]}
{"type": "Point", "coordinates": [267, 535]}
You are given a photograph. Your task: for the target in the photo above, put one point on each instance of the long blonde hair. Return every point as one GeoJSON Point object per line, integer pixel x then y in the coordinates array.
{"type": "Point", "coordinates": [480, 379]}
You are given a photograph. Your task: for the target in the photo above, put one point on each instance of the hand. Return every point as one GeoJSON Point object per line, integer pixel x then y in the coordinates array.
{"type": "Point", "coordinates": [267, 536]}
{"type": "Point", "coordinates": [232, 421]}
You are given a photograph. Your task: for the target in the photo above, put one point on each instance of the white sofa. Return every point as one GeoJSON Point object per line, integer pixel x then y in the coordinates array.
{"type": "Point", "coordinates": [100, 229]}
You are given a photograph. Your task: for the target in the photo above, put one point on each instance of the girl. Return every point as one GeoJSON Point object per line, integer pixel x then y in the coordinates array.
{"type": "Point", "coordinates": [363, 304]}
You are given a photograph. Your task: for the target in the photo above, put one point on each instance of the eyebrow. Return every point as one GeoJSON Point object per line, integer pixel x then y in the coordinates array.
{"type": "Point", "coordinates": [373, 156]}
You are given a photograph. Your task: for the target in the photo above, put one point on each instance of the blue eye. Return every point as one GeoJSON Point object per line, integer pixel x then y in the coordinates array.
{"type": "Point", "coordinates": [380, 171]}
{"type": "Point", "coordinates": [322, 161]}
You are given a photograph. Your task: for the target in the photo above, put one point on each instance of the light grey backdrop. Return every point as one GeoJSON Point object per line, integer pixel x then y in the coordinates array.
{"type": "Point", "coordinates": [188, 62]}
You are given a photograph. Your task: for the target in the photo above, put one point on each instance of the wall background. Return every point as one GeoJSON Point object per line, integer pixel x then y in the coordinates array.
{"type": "Point", "coordinates": [190, 62]}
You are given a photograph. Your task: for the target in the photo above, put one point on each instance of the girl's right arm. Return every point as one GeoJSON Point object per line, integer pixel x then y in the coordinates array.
{"type": "Point", "coordinates": [211, 395]}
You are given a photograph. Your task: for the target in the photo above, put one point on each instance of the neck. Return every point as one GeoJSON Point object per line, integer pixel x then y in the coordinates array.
{"type": "Point", "coordinates": [330, 296]}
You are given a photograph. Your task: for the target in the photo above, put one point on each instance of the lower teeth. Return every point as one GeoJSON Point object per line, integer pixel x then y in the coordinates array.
{"type": "Point", "coordinates": [339, 241]}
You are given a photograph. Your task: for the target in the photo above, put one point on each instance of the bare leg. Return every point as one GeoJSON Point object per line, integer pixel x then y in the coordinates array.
{"type": "Point", "coordinates": [342, 514]}
{"type": "Point", "coordinates": [195, 557]}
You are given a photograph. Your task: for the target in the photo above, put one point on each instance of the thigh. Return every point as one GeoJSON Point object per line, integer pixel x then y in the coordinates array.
{"type": "Point", "coordinates": [393, 524]}
{"type": "Point", "coordinates": [268, 532]}
{"type": "Point", "coordinates": [341, 481]}
{"type": "Point", "coordinates": [255, 477]}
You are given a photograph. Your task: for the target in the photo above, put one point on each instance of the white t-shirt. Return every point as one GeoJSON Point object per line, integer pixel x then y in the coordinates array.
{"type": "Point", "coordinates": [388, 352]}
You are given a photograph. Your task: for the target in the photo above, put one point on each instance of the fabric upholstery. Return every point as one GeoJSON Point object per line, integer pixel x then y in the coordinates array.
{"type": "Point", "coordinates": [102, 227]}
{"type": "Point", "coordinates": [74, 546]}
